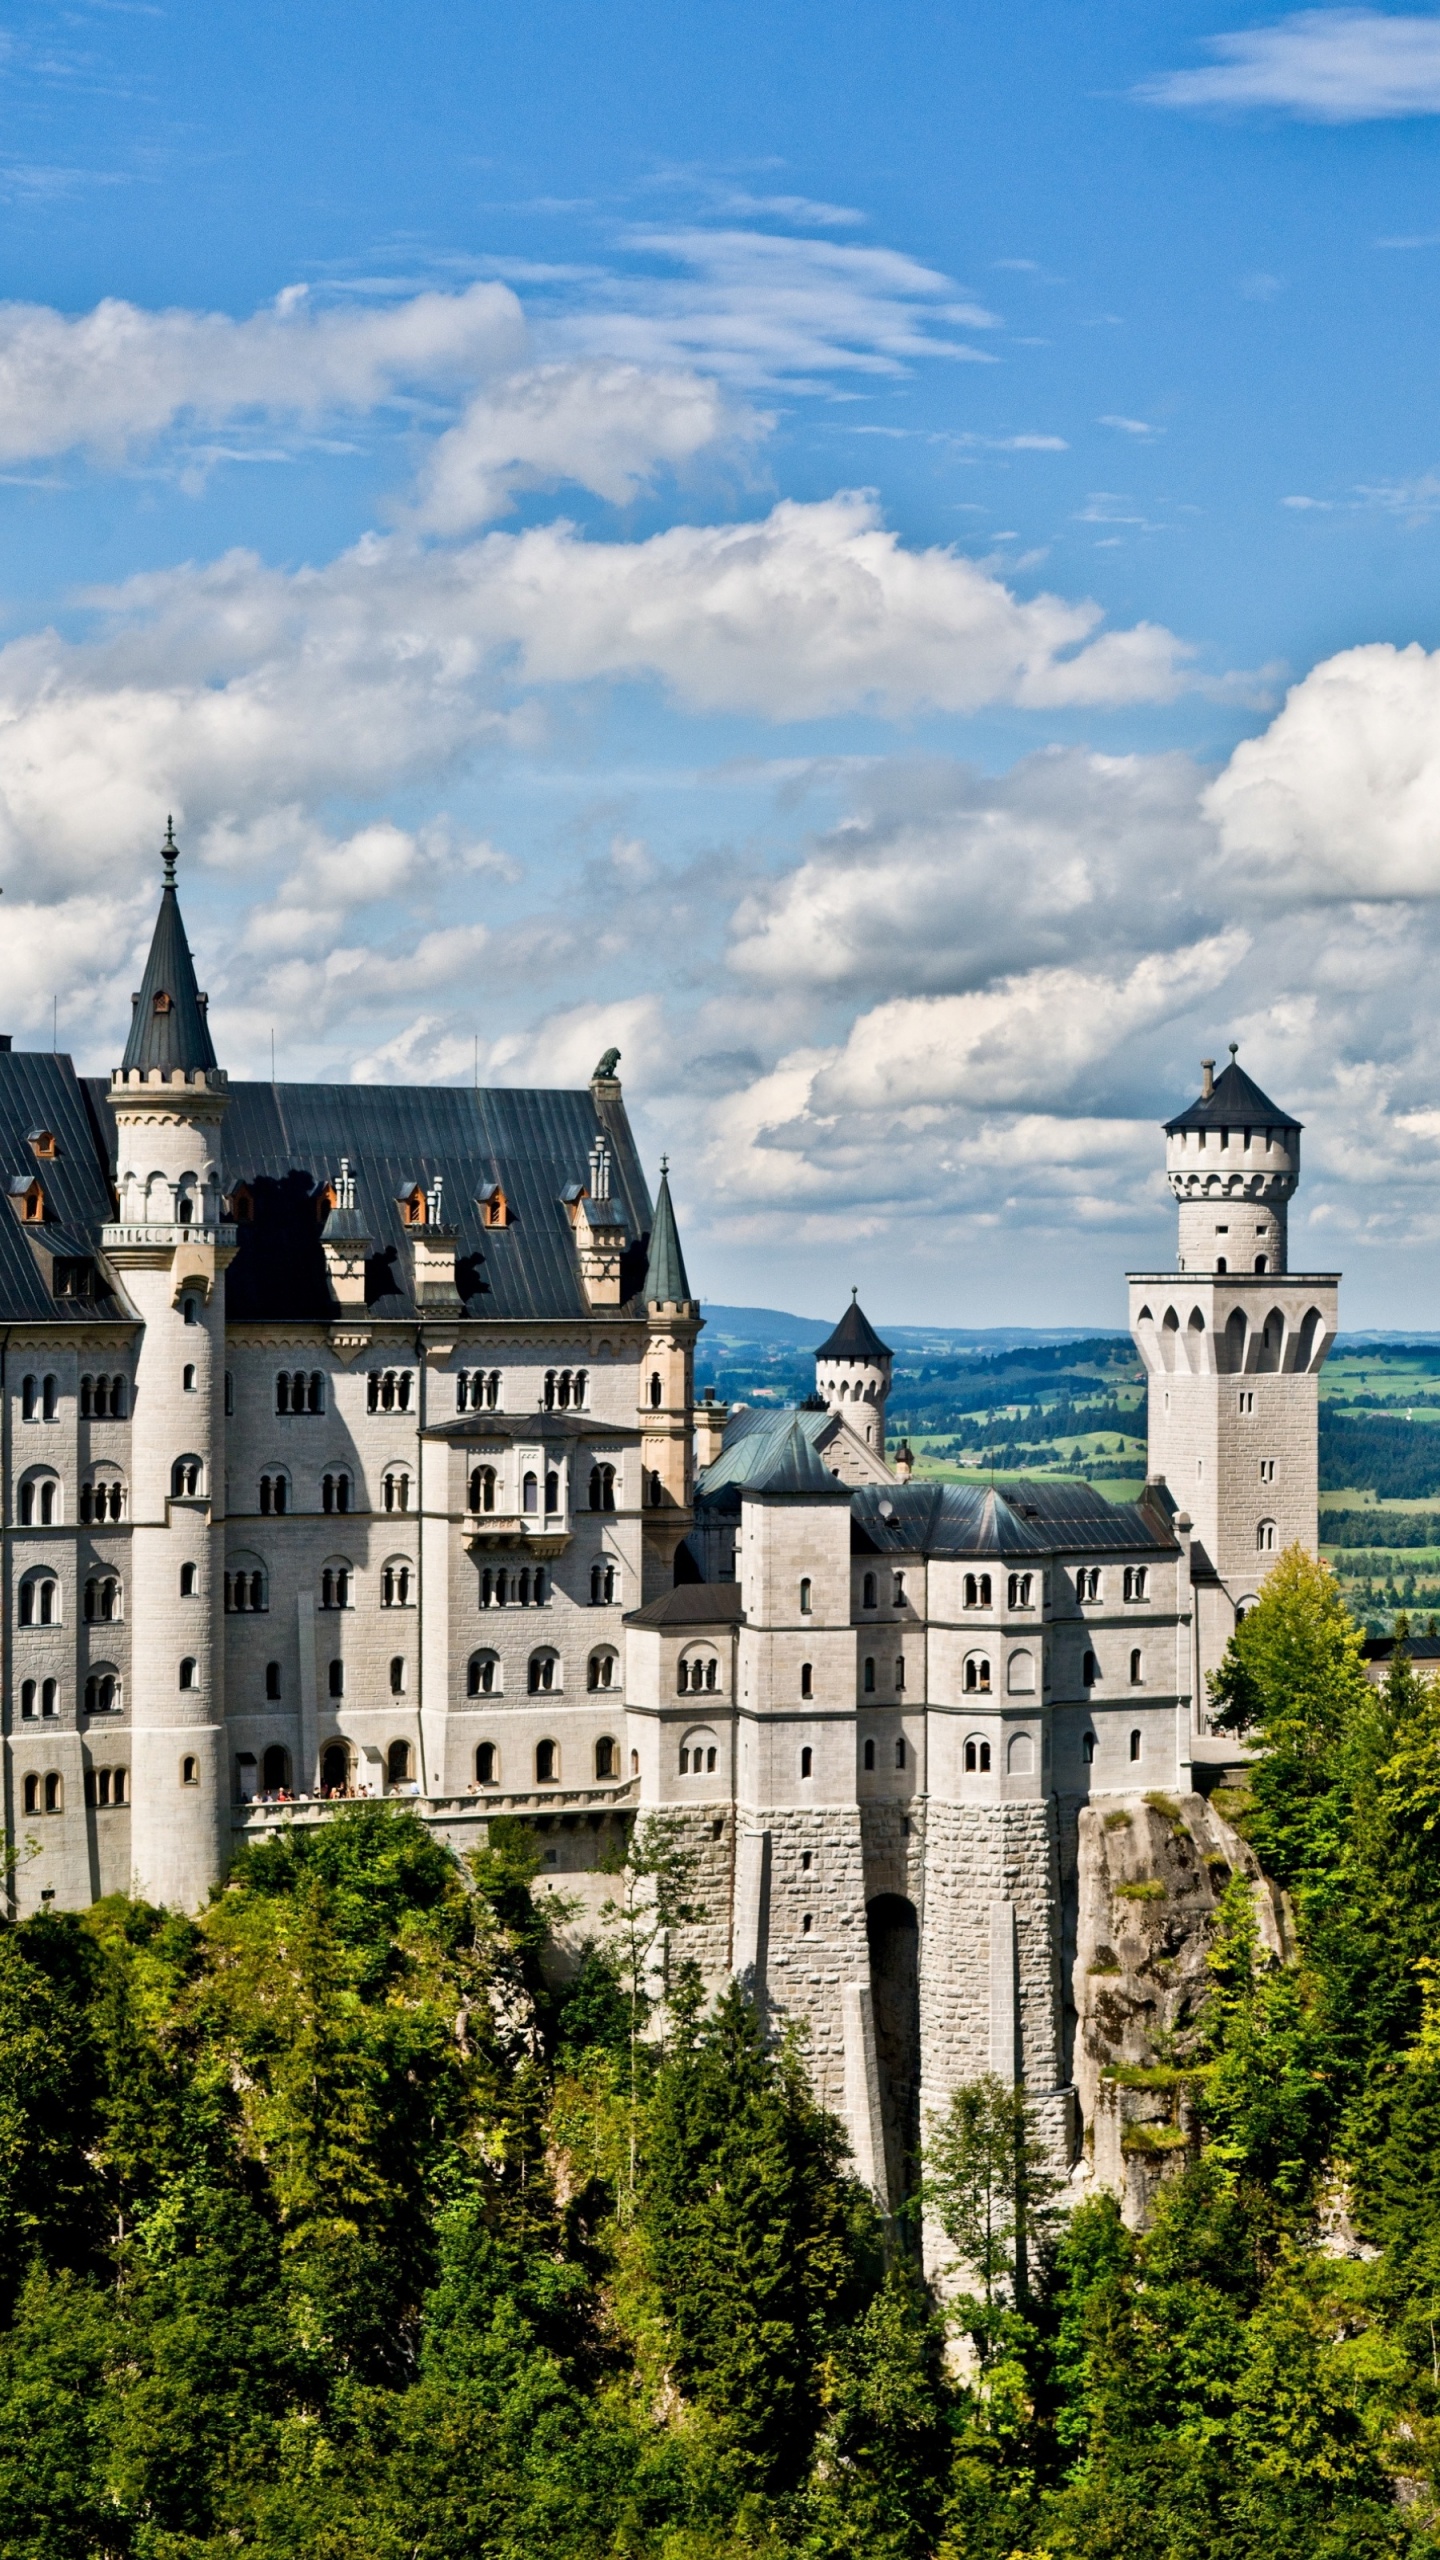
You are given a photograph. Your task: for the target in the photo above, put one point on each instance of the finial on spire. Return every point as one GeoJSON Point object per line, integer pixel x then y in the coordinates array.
{"type": "Point", "coordinates": [169, 852]}
{"type": "Point", "coordinates": [664, 1164]}
{"type": "Point", "coordinates": [1234, 1048]}
{"type": "Point", "coordinates": [854, 1294]}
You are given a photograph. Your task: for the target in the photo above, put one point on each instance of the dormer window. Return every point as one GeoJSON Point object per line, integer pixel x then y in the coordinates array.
{"type": "Point", "coordinates": [164, 1003]}
{"type": "Point", "coordinates": [493, 1206]}
{"type": "Point", "coordinates": [242, 1205]}
{"type": "Point", "coordinates": [412, 1206]}
{"type": "Point", "coordinates": [43, 1143]}
{"type": "Point", "coordinates": [27, 1200]}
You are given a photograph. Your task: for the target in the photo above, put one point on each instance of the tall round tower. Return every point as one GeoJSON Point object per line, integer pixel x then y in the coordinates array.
{"type": "Point", "coordinates": [1233, 1160]}
{"type": "Point", "coordinates": [169, 1242]}
{"type": "Point", "coordinates": [852, 1373]}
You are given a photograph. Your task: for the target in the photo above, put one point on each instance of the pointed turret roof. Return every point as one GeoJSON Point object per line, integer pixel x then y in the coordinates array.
{"type": "Point", "coordinates": [169, 1029]}
{"type": "Point", "coordinates": [797, 1467]}
{"type": "Point", "coordinates": [854, 1337]}
{"type": "Point", "coordinates": [666, 1284]}
{"type": "Point", "coordinates": [1235, 1101]}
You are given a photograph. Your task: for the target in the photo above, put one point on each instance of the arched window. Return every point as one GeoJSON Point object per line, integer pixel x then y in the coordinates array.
{"type": "Point", "coordinates": [530, 1494]}
{"type": "Point", "coordinates": [602, 1584]}
{"type": "Point", "coordinates": [335, 1584]}
{"type": "Point", "coordinates": [897, 1590]}
{"type": "Point", "coordinates": [867, 1592]}
{"type": "Point", "coordinates": [1089, 1671]}
{"type": "Point", "coordinates": [102, 1597]}
{"type": "Point", "coordinates": [54, 1792]}
{"type": "Point", "coordinates": [1088, 1749]}
{"type": "Point", "coordinates": [482, 1675]}
{"type": "Point", "coordinates": [272, 1680]}
{"type": "Point", "coordinates": [977, 1590]}
{"type": "Point", "coordinates": [1020, 1673]}
{"type": "Point", "coordinates": [698, 1752]}
{"type": "Point", "coordinates": [1087, 1582]}
{"type": "Point", "coordinates": [336, 1681]}
{"type": "Point", "coordinates": [246, 1587]}
{"type": "Point", "coordinates": [900, 1751]}
{"type": "Point", "coordinates": [487, 1763]}
{"type": "Point", "coordinates": [335, 1490]}
{"type": "Point", "coordinates": [187, 1581]}
{"type": "Point", "coordinates": [977, 1671]}
{"type": "Point", "coordinates": [1137, 1743]}
{"type": "Point", "coordinates": [602, 1488]}
{"type": "Point", "coordinates": [600, 1670]}
{"type": "Point", "coordinates": [187, 1378]}
{"type": "Point", "coordinates": [40, 1502]}
{"type": "Point", "coordinates": [899, 1670]}
{"type": "Point", "coordinates": [189, 1672]}
{"type": "Point", "coordinates": [868, 1755]}
{"type": "Point", "coordinates": [102, 1691]}
{"type": "Point", "coordinates": [335, 1769]}
{"type": "Point", "coordinates": [102, 1499]}
{"type": "Point", "coordinates": [1261, 1264]}
{"type": "Point", "coordinates": [607, 1757]}
{"type": "Point", "coordinates": [868, 1675]}
{"type": "Point", "coordinates": [698, 1671]}
{"type": "Point", "coordinates": [807, 1680]}
{"type": "Point", "coordinates": [1137, 1582]}
{"type": "Point", "coordinates": [807, 1762]}
{"type": "Point", "coordinates": [274, 1492]}
{"type": "Point", "coordinates": [482, 1488]}
{"type": "Point", "coordinates": [31, 1793]}
{"type": "Point", "coordinates": [552, 1490]}
{"type": "Point", "coordinates": [1137, 1672]}
{"type": "Point", "coordinates": [40, 1600]}
{"type": "Point", "coordinates": [399, 1764]}
{"type": "Point", "coordinates": [395, 1489]}
{"type": "Point", "coordinates": [275, 1768]}
{"type": "Point", "coordinates": [657, 1489]}
{"type": "Point", "coordinates": [1265, 1537]}
{"type": "Point", "coordinates": [398, 1675]}
{"type": "Point", "coordinates": [656, 1390]}
{"type": "Point", "coordinates": [1020, 1758]}
{"type": "Point", "coordinates": [540, 1676]}
{"type": "Point", "coordinates": [186, 1477]}
{"type": "Point", "coordinates": [805, 1596]}
{"type": "Point", "coordinates": [396, 1583]}
{"type": "Point", "coordinates": [29, 1399]}
{"type": "Point", "coordinates": [547, 1763]}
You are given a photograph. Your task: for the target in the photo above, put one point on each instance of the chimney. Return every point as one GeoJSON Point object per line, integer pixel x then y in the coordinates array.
{"type": "Point", "coordinates": [709, 1420]}
{"type": "Point", "coordinates": [903, 1462]}
{"type": "Point", "coordinates": [1207, 1075]}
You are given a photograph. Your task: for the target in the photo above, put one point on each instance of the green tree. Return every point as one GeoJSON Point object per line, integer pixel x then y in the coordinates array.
{"type": "Point", "coordinates": [988, 2183]}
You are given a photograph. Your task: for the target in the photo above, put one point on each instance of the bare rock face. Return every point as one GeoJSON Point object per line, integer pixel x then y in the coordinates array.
{"type": "Point", "coordinates": [1152, 1870]}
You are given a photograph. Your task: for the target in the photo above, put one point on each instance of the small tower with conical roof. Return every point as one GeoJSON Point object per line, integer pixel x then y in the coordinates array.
{"type": "Point", "coordinates": [172, 1243]}
{"type": "Point", "coordinates": [852, 1373]}
{"type": "Point", "coordinates": [667, 1391]}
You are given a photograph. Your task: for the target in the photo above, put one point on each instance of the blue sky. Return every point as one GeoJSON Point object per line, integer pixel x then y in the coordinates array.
{"type": "Point", "coordinates": [884, 559]}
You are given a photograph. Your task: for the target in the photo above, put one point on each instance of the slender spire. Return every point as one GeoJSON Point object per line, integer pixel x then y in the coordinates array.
{"type": "Point", "coordinates": [169, 1028]}
{"type": "Point", "coordinates": [666, 1284]}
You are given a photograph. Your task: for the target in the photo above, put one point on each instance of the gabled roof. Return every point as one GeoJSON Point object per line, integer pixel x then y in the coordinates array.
{"type": "Point", "coordinates": [1236, 1103]}
{"type": "Point", "coordinates": [169, 1028]}
{"type": "Point", "coordinates": [796, 1467]}
{"type": "Point", "coordinates": [37, 1085]}
{"type": "Point", "coordinates": [754, 1438]}
{"type": "Point", "coordinates": [691, 1604]}
{"type": "Point", "coordinates": [666, 1283]}
{"type": "Point", "coordinates": [854, 1337]}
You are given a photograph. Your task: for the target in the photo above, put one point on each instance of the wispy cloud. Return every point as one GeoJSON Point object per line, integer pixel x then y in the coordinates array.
{"type": "Point", "coordinates": [1324, 66]}
{"type": "Point", "coordinates": [1129, 426]}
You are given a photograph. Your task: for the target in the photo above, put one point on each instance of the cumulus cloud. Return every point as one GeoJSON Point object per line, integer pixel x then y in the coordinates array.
{"type": "Point", "coordinates": [1326, 66]}
{"type": "Point", "coordinates": [118, 375]}
{"type": "Point", "coordinates": [608, 427]}
{"type": "Point", "coordinates": [1340, 796]}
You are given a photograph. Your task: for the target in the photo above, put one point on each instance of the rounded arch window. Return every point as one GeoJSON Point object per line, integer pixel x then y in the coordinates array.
{"type": "Point", "coordinates": [868, 1754]}
{"type": "Point", "coordinates": [275, 1769]}
{"type": "Point", "coordinates": [102, 1498]}
{"type": "Point", "coordinates": [698, 1670]}
{"type": "Point", "coordinates": [1020, 1756]}
{"type": "Point", "coordinates": [40, 1599]}
{"type": "Point", "coordinates": [487, 1764]}
{"type": "Point", "coordinates": [547, 1763]}
{"type": "Point", "coordinates": [104, 1598]}
{"type": "Point", "coordinates": [336, 1489]}
{"type": "Point", "coordinates": [482, 1675]}
{"type": "Point", "coordinates": [1020, 1673]}
{"type": "Point", "coordinates": [602, 1488]}
{"type": "Point", "coordinates": [601, 1668]}
{"type": "Point", "coordinates": [103, 1695]}
{"type": "Point", "coordinates": [977, 1673]}
{"type": "Point", "coordinates": [530, 1493]}
{"type": "Point", "coordinates": [607, 1757]}
{"type": "Point", "coordinates": [482, 1488]}
{"type": "Point", "coordinates": [806, 1596]}
{"type": "Point", "coordinates": [1137, 1667]}
{"type": "Point", "coordinates": [1089, 1671]}
{"type": "Point", "coordinates": [336, 1583]}
{"type": "Point", "coordinates": [699, 1752]}
{"type": "Point", "coordinates": [399, 1675]}
{"type": "Point", "coordinates": [1087, 1748]}
{"type": "Point", "coordinates": [400, 1764]}
{"type": "Point", "coordinates": [1137, 1743]}
{"type": "Point", "coordinates": [542, 1673]}
{"type": "Point", "coordinates": [807, 1762]}
{"type": "Point", "coordinates": [189, 1672]}
{"type": "Point", "coordinates": [189, 1770]}
{"type": "Point", "coordinates": [335, 1769]}
{"type": "Point", "coordinates": [977, 1756]}
{"type": "Point", "coordinates": [397, 1583]}
{"type": "Point", "coordinates": [1265, 1537]}
{"type": "Point", "coordinates": [275, 1492]}
{"type": "Point", "coordinates": [867, 1592]}
{"type": "Point", "coordinates": [187, 1478]}
{"type": "Point", "coordinates": [247, 1585]}
{"type": "Point", "coordinates": [40, 1500]}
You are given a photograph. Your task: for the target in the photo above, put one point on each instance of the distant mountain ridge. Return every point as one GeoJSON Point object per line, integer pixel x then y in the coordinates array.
{"type": "Point", "coordinates": [773, 1327]}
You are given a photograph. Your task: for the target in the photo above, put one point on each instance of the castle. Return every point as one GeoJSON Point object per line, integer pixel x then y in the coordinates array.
{"type": "Point", "coordinates": [351, 1445]}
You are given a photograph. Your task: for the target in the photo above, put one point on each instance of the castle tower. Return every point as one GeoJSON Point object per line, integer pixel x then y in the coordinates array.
{"type": "Point", "coordinates": [171, 1244]}
{"type": "Point", "coordinates": [1233, 1343]}
{"type": "Point", "coordinates": [852, 1373]}
{"type": "Point", "coordinates": [667, 1394]}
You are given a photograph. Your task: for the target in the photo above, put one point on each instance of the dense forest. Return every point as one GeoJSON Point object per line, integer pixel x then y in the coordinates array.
{"type": "Point", "coordinates": [331, 2225]}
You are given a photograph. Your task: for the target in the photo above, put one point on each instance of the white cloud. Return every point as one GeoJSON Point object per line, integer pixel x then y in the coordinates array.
{"type": "Point", "coordinates": [1326, 66]}
{"type": "Point", "coordinates": [608, 427]}
{"type": "Point", "coordinates": [119, 375]}
{"type": "Point", "coordinates": [1340, 796]}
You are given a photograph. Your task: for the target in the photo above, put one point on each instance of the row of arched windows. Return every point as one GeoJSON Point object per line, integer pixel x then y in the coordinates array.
{"type": "Point", "coordinates": [565, 1389]}
{"type": "Point", "coordinates": [477, 1390]}
{"type": "Point", "coordinates": [867, 1755]}
{"type": "Point", "coordinates": [1090, 1672]}
{"type": "Point", "coordinates": [42, 1502]}
{"type": "Point", "coordinates": [389, 1390]}
{"type": "Point", "coordinates": [484, 1674]}
{"type": "Point", "coordinates": [546, 1762]}
{"type": "Point", "coordinates": [870, 1591]}
{"type": "Point", "coordinates": [867, 1673]}
{"type": "Point", "coordinates": [300, 1391]}
{"type": "Point", "coordinates": [104, 1399]}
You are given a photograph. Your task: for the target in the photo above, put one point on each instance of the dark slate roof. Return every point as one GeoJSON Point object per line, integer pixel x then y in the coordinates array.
{"type": "Point", "coordinates": [854, 1337]}
{"type": "Point", "coordinates": [691, 1604]}
{"type": "Point", "coordinates": [795, 1466]}
{"type": "Point", "coordinates": [179, 1035]}
{"type": "Point", "coordinates": [1022, 1517]}
{"type": "Point", "coordinates": [283, 1141]}
{"type": "Point", "coordinates": [666, 1284]}
{"type": "Point", "coordinates": [1236, 1103]}
{"type": "Point", "coordinates": [40, 1089]}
